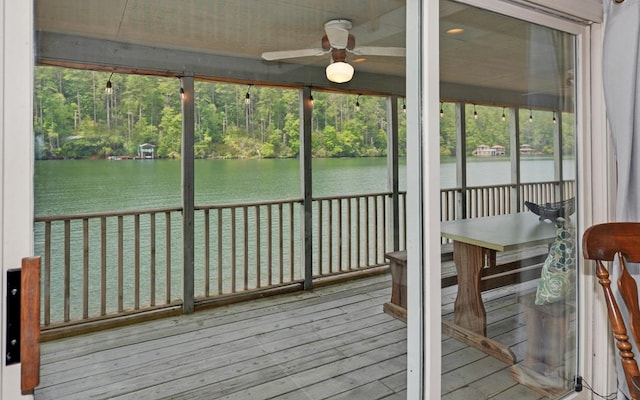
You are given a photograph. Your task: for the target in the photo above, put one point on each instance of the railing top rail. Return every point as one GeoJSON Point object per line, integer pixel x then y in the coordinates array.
{"type": "Point", "coordinates": [252, 204]}
{"type": "Point", "coordinates": [50, 218]}
{"type": "Point", "coordinates": [458, 188]}
{"type": "Point", "coordinates": [353, 196]}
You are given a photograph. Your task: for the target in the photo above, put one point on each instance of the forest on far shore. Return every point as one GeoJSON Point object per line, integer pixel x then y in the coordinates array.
{"type": "Point", "coordinates": [74, 118]}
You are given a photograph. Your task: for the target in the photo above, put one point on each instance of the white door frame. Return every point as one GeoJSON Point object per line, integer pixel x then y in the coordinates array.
{"type": "Point", "coordinates": [16, 159]}
{"type": "Point", "coordinates": [423, 233]}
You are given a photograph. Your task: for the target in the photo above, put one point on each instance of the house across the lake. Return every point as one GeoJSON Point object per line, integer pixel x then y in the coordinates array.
{"type": "Point", "coordinates": [485, 151]}
{"type": "Point", "coordinates": [526, 149]}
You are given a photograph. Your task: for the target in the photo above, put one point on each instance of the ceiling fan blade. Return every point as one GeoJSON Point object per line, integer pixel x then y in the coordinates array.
{"type": "Point", "coordinates": [380, 51]}
{"type": "Point", "coordinates": [283, 54]}
{"type": "Point", "coordinates": [338, 32]}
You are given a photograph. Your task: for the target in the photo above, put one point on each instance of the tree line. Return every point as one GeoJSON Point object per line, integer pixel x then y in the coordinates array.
{"type": "Point", "coordinates": [486, 125]}
{"type": "Point", "coordinates": [74, 118]}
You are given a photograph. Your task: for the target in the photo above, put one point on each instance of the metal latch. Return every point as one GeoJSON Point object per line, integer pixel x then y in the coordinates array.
{"type": "Point", "coordinates": [12, 355]}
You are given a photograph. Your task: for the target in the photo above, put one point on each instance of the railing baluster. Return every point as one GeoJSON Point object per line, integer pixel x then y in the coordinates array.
{"type": "Point", "coordinates": [103, 266]}
{"type": "Point", "coordinates": [383, 227]}
{"type": "Point", "coordinates": [233, 250]}
{"type": "Point", "coordinates": [404, 212]}
{"type": "Point", "coordinates": [85, 268]}
{"type": "Point", "coordinates": [67, 269]}
{"type": "Point", "coordinates": [377, 227]}
{"type": "Point", "coordinates": [152, 261]}
{"type": "Point", "coordinates": [47, 273]}
{"type": "Point", "coordinates": [291, 242]}
{"type": "Point", "coordinates": [136, 263]}
{"type": "Point", "coordinates": [120, 263]}
{"type": "Point", "coordinates": [167, 257]}
{"type": "Point", "coordinates": [281, 244]}
{"type": "Point", "coordinates": [319, 239]}
{"type": "Point", "coordinates": [270, 244]}
{"type": "Point", "coordinates": [330, 236]}
{"type": "Point", "coordinates": [367, 246]}
{"type": "Point", "coordinates": [339, 234]}
{"type": "Point", "coordinates": [206, 253]}
{"type": "Point", "coordinates": [358, 226]}
{"type": "Point", "coordinates": [220, 287]}
{"type": "Point", "coordinates": [349, 244]}
{"type": "Point", "coordinates": [245, 234]}
{"type": "Point", "coordinates": [258, 249]}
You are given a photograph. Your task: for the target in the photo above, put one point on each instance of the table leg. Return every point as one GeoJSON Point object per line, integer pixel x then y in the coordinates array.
{"type": "Point", "coordinates": [469, 309]}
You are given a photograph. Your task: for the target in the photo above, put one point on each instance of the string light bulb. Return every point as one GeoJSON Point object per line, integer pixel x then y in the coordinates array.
{"type": "Point", "coordinates": [311, 99]}
{"type": "Point", "coordinates": [441, 110]}
{"type": "Point", "coordinates": [504, 117]}
{"type": "Point", "coordinates": [554, 117]}
{"type": "Point", "coordinates": [108, 88]}
{"type": "Point", "coordinates": [404, 107]}
{"type": "Point", "coordinates": [530, 116]}
{"type": "Point", "coordinates": [181, 92]}
{"type": "Point", "coordinates": [247, 97]}
{"type": "Point", "coordinates": [475, 114]}
{"type": "Point", "coordinates": [358, 103]}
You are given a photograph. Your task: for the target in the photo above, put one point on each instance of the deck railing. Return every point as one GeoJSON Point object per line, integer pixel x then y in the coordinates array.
{"type": "Point", "coordinates": [483, 201]}
{"type": "Point", "coordinates": [101, 265]}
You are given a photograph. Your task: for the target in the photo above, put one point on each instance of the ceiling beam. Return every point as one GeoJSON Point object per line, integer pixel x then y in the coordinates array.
{"type": "Point", "coordinates": [104, 55]}
{"type": "Point", "coordinates": [453, 92]}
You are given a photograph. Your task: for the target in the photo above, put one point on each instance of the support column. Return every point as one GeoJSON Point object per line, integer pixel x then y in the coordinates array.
{"type": "Point", "coordinates": [558, 170]}
{"type": "Point", "coordinates": [17, 166]}
{"type": "Point", "coordinates": [514, 137]}
{"type": "Point", "coordinates": [306, 108]}
{"type": "Point", "coordinates": [461, 159]}
{"type": "Point", "coordinates": [188, 197]}
{"type": "Point", "coordinates": [392, 168]}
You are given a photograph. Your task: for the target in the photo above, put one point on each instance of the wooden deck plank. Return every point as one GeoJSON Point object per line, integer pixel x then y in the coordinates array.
{"type": "Point", "coordinates": [371, 391]}
{"type": "Point", "coordinates": [331, 343]}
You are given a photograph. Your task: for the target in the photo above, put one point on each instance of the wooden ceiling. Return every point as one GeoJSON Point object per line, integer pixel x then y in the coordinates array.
{"type": "Point", "coordinates": [224, 39]}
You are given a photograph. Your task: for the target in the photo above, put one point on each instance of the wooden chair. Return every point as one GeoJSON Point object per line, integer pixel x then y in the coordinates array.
{"type": "Point", "coordinates": [602, 243]}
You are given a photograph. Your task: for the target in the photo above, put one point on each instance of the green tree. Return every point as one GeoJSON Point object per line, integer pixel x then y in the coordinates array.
{"type": "Point", "coordinates": [170, 134]}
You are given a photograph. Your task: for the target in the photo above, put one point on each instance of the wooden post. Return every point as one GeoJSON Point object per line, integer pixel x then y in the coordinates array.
{"type": "Point", "coordinates": [188, 197]}
{"type": "Point", "coordinates": [461, 159]}
{"type": "Point", "coordinates": [392, 167]}
{"type": "Point", "coordinates": [306, 108]}
{"type": "Point", "coordinates": [558, 170]}
{"type": "Point", "coordinates": [30, 324]}
{"type": "Point", "coordinates": [514, 135]}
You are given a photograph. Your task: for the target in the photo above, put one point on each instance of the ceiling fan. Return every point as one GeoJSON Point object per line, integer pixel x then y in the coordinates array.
{"type": "Point", "coordinates": [337, 41]}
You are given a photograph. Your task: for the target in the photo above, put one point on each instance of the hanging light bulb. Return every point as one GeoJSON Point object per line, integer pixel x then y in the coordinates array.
{"type": "Point", "coordinates": [404, 108]}
{"type": "Point", "coordinates": [247, 98]}
{"type": "Point", "coordinates": [441, 111]}
{"type": "Point", "coordinates": [339, 71]}
{"type": "Point", "coordinates": [530, 116]}
{"type": "Point", "coordinates": [554, 117]}
{"type": "Point", "coordinates": [504, 117]}
{"type": "Point", "coordinates": [181, 92]}
{"type": "Point", "coordinates": [358, 103]}
{"type": "Point", "coordinates": [475, 114]}
{"type": "Point", "coordinates": [109, 89]}
{"type": "Point", "coordinates": [311, 99]}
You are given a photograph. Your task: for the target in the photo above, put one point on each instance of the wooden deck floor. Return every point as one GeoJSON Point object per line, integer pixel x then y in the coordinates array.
{"type": "Point", "coordinates": [332, 343]}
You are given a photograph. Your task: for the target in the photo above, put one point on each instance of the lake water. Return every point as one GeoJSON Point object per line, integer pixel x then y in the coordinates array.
{"type": "Point", "coordinates": [64, 187]}
{"type": "Point", "coordinates": [72, 187]}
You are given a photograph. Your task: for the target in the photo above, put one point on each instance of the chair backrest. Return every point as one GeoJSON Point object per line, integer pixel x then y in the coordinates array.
{"type": "Point", "coordinates": [602, 243]}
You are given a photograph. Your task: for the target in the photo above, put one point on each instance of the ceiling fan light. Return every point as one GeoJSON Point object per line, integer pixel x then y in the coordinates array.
{"type": "Point", "coordinates": [339, 72]}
